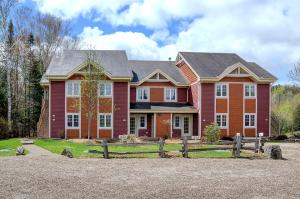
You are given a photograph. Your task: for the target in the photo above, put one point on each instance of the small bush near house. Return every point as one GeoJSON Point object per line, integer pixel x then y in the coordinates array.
{"type": "Point", "coordinates": [212, 133]}
{"type": "Point", "coordinates": [297, 134]}
{"type": "Point", "coordinates": [227, 138]}
{"type": "Point", "coordinates": [280, 137]}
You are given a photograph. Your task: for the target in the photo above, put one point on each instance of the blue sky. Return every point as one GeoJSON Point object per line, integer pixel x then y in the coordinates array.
{"type": "Point", "coordinates": [264, 31]}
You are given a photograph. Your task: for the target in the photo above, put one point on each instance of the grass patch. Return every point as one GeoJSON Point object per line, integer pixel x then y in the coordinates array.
{"type": "Point", "coordinates": [80, 150]}
{"type": "Point", "coordinates": [12, 144]}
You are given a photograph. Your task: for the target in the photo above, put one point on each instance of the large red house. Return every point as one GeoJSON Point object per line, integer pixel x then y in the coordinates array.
{"type": "Point", "coordinates": [157, 98]}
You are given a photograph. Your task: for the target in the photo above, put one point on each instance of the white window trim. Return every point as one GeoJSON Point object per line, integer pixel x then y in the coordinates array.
{"type": "Point", "coordinates": [139, 120]}
{"type": "Point", "coordinates": [72, 127]}
{"type": "Point", "coordinates": [221, 84]}
{"type": "Point", "coordinates": [221, 114]}
{"type": "Point", "coordinates": [165, 94]}
{"type": "Point", "coordinates": [111, 122]}
{"type": "Point", "coordinates": [105, 83]}
{"type": "Point", "coordinates": [176, 127]}
{"type": "Point", "coordinates": [249, 127]}
{"type": "Point", "coordinates": [148, 92]}
{"type": "Point", "coordinates": [255, 91]}
{"type": "Point", "coordinates": [72, 82]}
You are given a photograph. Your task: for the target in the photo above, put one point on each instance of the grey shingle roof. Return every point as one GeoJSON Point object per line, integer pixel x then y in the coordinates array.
{"type": "Point", "coordinates": [141, 69]}
{"type": "Point", "coordinates": [214, 64]}
{"type": "Point", "coordinates": [114, 62]}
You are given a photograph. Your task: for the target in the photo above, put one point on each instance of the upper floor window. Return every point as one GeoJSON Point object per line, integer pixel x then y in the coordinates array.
{"type": "Point", "coordinates": [250, 120]}
{"type": "Point", "coordinates": [143, 121]}
{"type": "Point", "coordinates": [250, 90]}
{"type": "Point", "coordinates": [170, 94]}
{"type": "Point", "coordinates": [73, 88]}
{"type": "Point", "coordinates": [105, 120]}
{"type": "Point", "coordinates": [221, 90]}
{"type": "Point", "coordinates": [73, 120]}
{"type": "Point", "coordinates": [176, 121]}
{"type": "Point", "coordinates": [143, 94]}
{"type": "Point", "coordinates": [105, 89]}
{"type": "Point", "coordinates": [221, 120]}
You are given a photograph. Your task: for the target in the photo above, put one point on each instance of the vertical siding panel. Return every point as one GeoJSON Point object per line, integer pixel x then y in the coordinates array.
{"type": "Point", "coordinates": [181, 94]}
{"type": "Point", "coordinates": [263, 108]}
{"type": "Point", "coordinates": [120, 109]}
{"type": "Point", "coordinates": [132, 94]}
{"type": "Point", "coordinates": [236, 109]}
{"type": "Point", "coordinates": [188, 73]}
{"type": "Point", "coordinates": [195, 124]}
{"type": "Point", "coordinates": [163, 124]}
{"type": "Point", "coordinates": [57, 112]}
{"type": "Point", "coordinates": [207, 105]}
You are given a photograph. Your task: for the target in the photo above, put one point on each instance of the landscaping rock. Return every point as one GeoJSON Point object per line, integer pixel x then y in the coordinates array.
{"type": "Point", "coordinates": [274, 152]}
{"type": "Point", "coordinates": [20, 150]}
{"type": "Point", "coordinates": [68, 153]}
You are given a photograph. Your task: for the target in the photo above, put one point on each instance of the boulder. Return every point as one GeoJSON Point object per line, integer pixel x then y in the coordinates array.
{"type": "Point", "coordinates": [274, 152]}
{"type": "Point", "coordinates": [20, 150]}
{"type": "Point", "coordinates": [68, 153]}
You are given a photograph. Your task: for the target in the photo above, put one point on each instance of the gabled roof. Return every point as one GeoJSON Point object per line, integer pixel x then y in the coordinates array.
{"type": "Point", "coordinates": [211, 65]}
{"type": "Point", "coordinates": [141, 70]}
{"type": "Point", "coordinates": [114, 62]}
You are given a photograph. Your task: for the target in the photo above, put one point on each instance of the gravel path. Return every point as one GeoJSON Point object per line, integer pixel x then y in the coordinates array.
{"type": "Point", "coordinates": [35, 151]}
{"type": "Point", "coordinates": [61, 177]}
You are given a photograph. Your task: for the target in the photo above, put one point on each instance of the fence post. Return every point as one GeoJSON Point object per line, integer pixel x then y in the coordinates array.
{"type": "Point", "coordinates": [234, 147]}
{"type": "Point", "coordinates": [257, 143]}
{"type": "Point", "coordinates": [161, 148]}
{"type": "Point", "coordinates": [238, 144]}
{"type": "Point", "coordinates": [105, 149]}
{"type": "Point", "coordinates": [185, 147]}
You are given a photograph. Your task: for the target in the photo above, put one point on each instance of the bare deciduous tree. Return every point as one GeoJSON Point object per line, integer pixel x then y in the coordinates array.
{"type": "Point", "coordinates": [294, 74]}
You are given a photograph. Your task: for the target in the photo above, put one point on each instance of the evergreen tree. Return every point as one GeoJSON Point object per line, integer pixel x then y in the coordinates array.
{"type": "Point", "coordinates": [297, 118]}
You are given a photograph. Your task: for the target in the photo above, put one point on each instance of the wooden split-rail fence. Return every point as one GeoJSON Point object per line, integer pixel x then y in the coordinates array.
{"type": "Point", "coordinates": [188, 146]}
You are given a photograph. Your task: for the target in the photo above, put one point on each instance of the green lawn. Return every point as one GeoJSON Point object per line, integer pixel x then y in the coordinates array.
{"type": "Point", "coordinates": [11, 144]}
{"type": "Point", "coordinates": [81, 150]}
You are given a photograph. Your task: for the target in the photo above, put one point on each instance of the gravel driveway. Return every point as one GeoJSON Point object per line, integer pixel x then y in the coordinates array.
{"type": "Point", "coordinates": [49, 176]}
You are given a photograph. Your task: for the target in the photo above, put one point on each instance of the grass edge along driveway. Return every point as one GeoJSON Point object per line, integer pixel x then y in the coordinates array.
{"type": "Point", "coordinates": [80, 150]}
{"type": "Point", "coordinates": [12, 144]}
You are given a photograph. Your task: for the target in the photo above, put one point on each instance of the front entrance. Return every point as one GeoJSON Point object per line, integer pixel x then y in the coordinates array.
{"type": "Point", "coordinates": [133, 129]}
{"type": "Point", "coordinates": [186, 126]}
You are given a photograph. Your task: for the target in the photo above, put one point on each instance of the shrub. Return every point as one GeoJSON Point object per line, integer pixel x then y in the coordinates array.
{"type": "Point", "coordinates": [280, 137]}
{"type": "Point", "coordinates": [297, 134]}
{"type": "Point", "coordinates": [212, 133]}
{"type": "Point", "coordinates": [227, 138]}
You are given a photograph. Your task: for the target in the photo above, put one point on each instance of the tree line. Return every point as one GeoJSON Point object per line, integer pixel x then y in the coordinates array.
{"type": "Point", "coordinates": [28, 42]}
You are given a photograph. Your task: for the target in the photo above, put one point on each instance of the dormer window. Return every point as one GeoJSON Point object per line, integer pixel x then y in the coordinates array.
{"type": "Point", "coordinates": [170, 94]}
{"type": "Point", "coordinates": [105, 89]}
{"type": "Point", "coordinates": [73, 88]}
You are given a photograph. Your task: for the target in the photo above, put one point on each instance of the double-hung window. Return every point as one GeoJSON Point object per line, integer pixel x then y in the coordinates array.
{"type": "Point", "coordinates": [143, 94]}
{"type": "Point", "coordinates": [250, 90]}
{"type": "Point", "coordinates": [143, 121]}
{"type": "Point", "coordinates": [72, 120]}
{"type": "Point", "coordinates": [221, 90]}
{"type": "Point", "coordinates": [105, 89]}
{"type": "Point", "coordinates": [73, 88]}
{"type": "Point", "coordinates": [176, 121]}
{"type": "Point", "coordinates": [105, 120]}
{"type": "Point", "coordinates": [221, 120]}
{"type": "Point", "coordinates": [250, 120]}
{"type": "Point", "coordinates": [170, 94]}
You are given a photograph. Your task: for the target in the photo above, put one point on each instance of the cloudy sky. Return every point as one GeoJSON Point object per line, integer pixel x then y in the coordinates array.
{"type": "Point", "coordinates": [263, 31]}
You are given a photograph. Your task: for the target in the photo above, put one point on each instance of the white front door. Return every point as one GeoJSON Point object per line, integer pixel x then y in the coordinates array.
{"type": "Point", "coordinates": [133, 128]}
{"type": "Point", "coordinates": [187, 124]}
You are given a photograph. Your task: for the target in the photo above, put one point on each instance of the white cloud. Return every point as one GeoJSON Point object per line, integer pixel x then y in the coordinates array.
{"type": "Point", "coordinates": [263, 31]}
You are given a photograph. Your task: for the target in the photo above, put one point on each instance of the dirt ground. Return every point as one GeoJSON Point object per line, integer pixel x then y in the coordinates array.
{"type": "Point", "coordinates": [53, 176]}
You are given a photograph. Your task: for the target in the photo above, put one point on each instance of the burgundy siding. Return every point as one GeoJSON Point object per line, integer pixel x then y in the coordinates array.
{"type": "Point", "coordinates": [176, 133]}
{"type": "Point", "coordinates": [193, 95]}
{"type": "Point", "coordinates": [207, 104]}
{"type": "Point", "coordinates": [181, 94]}
{"type": "Point", "coordinates": [57, 112]}
{"type": "Point", "coordinates": [263, 108]}
{"type": "Point", "coordinates": [120, 105]}
{"type": "Point", "coordinates": [195, 124]}
{"type": "Point", "coordinates": [132, 94]}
